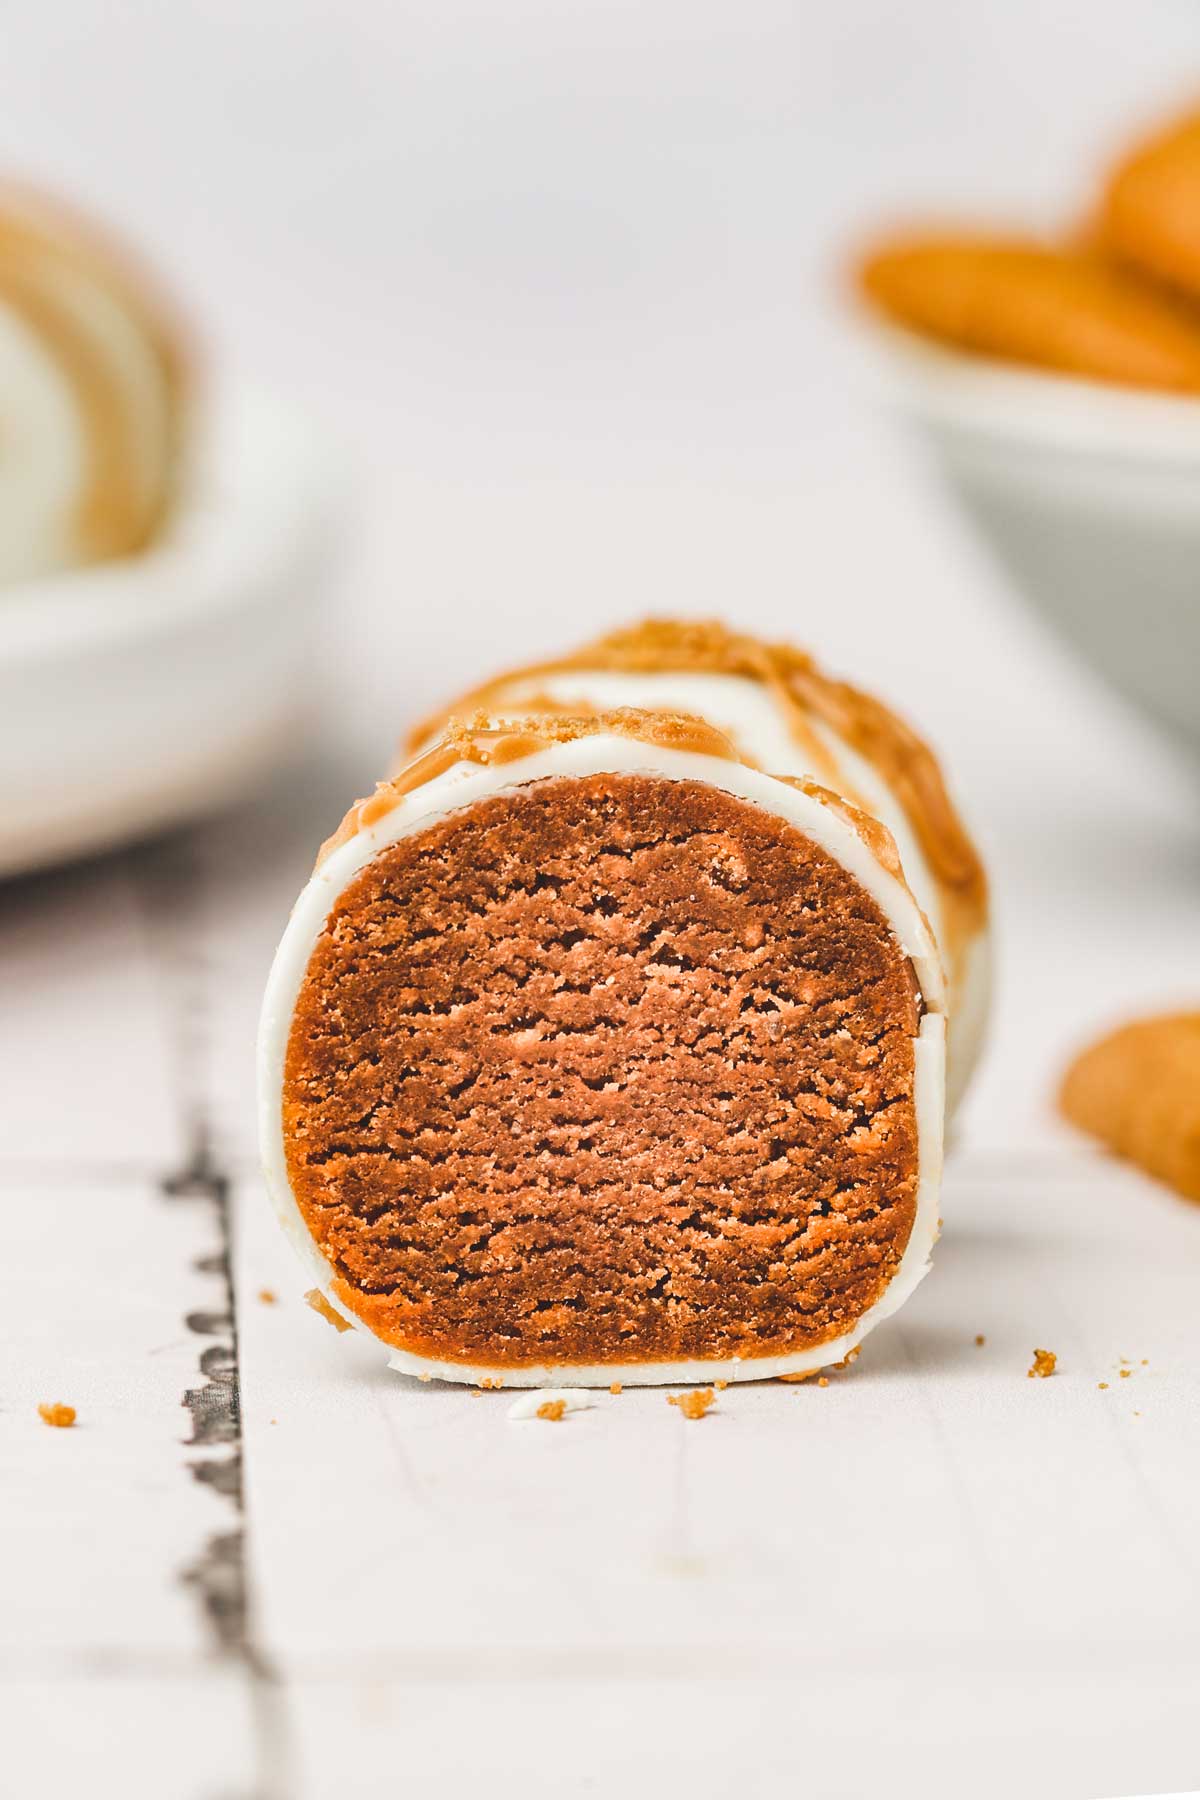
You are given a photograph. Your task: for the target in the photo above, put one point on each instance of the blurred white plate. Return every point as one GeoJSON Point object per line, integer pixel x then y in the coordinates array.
{"type": "Point", "coordinates": [143, 692]}
{"type": "Point", "coordinates": [1089, 495]}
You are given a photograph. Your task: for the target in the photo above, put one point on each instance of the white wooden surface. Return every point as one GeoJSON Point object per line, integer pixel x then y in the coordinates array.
{"type": "Point", "coordinates": [561, 277]}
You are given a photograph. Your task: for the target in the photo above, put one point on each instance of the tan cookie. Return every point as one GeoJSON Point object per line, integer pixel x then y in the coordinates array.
{"type": "Point", "coordinates": [1138, 1091]}
{"type": "Point", "coordinates": [1025, 302]}
{"type": "Point", "coordinates": [1150, 214]}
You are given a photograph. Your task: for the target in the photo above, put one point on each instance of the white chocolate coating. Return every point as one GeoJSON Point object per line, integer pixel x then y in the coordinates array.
{"type": "Point", "coordinates": [461, 786]}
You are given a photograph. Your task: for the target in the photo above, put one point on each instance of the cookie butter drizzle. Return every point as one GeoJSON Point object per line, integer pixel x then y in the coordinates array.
{"type": "Point", "coordinates": [804, 695]}
{"type": "Point", "coordinates": [480, 740]}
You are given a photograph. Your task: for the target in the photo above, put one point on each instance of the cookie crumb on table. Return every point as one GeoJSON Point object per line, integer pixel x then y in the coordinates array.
{"type": "Point", "coordinates": [824, 1381]}
{"type": "Point", "coordinates": [1102, 1384]}
{"type": "Point", "coordinates": [268, 1296]}
{"type": "Point", "coordinates": [549, 1403]}
{"type": "Point", "coordinates": [614, 1387]}
{"type": "Point", "coordinates": [55, 1413]}
{"type": "Point", "coordinates": [693, 1405]}
{"type": "Point", "coordinates": [1124, 1374]}
{"type": "Point", "coordinates": [980, 1340]}
{"type": "Point", "coordinates": [316, 1299]}
{"type": "Point", "coordinates": [1044, 1363]}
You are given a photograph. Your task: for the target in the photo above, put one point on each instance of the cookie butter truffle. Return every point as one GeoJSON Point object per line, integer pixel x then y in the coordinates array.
{"type": "Point", "coordinates": [92, 395]}
{"type": "Point", "coordinates": [607, 1041]}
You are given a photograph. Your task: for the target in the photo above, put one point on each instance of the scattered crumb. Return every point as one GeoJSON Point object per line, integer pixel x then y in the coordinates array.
{"type": "Point", "coordinates": [720, 1386]}
{"type": "Point", "coordinates": [980, 1340]}
{"type": "Point", "coordinates": [274, 1421]}
{"type": "Point", "coordinates": [316, 1299]}
{"type": "Point", "coordinates": [806, 1376]}
{"type": "Point", "coordinates": [55, 1413]}
{"type": "Point", "coordinates": [1145, 1362]}
{"type": "Point", "coordinates": [268, 1296]}
{"type": "Point", "coordinates": [614, 1387]}
{"type": "Point", "coordinates": [1102, 1384]}
{"type": "Point", "coordinates": [1044, 1362]}
{"type": "Point", "coordinates": [694, 1404]}
{"type": "Point", "coordinates": [824, 1381]}
{"type": "Point", "coordinates": [850, 1356]}
{"type": "Point", "coordinates": [1137, 1415]}
{"type": "Point", "coordinates": [549, 1403]}
{"type": "Point", "coordinates": [1124, 1374]}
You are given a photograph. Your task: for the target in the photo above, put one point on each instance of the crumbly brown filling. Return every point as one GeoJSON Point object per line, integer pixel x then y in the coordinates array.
{"type": "Point", "coordinates": [608, 1069]}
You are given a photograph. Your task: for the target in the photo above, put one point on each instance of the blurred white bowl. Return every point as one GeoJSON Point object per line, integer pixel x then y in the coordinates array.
{"type": "Point", "coordinates": [1089, 495]}
{"type": "Point", "coordinates": [143, 692]}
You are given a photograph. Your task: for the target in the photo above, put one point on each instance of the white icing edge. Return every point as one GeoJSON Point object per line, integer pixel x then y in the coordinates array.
{"type": "Point", "coordinates": [463, 785]}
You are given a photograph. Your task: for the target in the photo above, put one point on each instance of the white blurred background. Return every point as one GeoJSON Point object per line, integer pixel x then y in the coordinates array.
{"type": "Point", "coordinates": [561, 283]}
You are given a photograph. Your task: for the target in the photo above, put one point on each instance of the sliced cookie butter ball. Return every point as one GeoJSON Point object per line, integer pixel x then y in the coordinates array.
{"type": "Point", "coordinates": [607, 1042]}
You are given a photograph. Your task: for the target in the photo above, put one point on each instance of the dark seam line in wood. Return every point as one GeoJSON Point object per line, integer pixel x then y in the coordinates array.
{"type": "Point", "coordinates": [172, 880]}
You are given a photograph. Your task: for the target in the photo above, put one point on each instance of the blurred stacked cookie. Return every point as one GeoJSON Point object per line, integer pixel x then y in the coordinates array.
{"type": "Point", "coordinates": [1117, 301]}
{"type": "Point", "coordinates": [93, 395]}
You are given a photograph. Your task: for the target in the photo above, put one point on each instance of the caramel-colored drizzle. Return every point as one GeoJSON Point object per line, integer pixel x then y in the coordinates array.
{"type": "Point", "coordinates": [480, 740]}
{"type": "Point", "coordinates": [804, 693]}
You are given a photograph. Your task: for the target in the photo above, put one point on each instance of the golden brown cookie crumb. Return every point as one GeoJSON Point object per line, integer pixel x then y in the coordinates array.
{"type": "Point", "coordinates": [720, 1386]}
{"type": "Point", "coordinates": [615, 1387]}
{"type": "Point", "coordinates": [1044, 1362]}
{"type": "Point", "coordinates": [693, 1405]}
{"type": "Point", "coordinates": [316, 1299]}
{"type": "Point", "coordinates": [1102, 1384]}
{"type": "Point", "coordinates": [1124, 1374]}
{"type": "Point", "coordinates": [268, 1296]}
{"type": "Point", "coordinates": [851, 1356]}
{"type": "Point", "coordinates": [55, 1413]}
{"type": "Point", "coordinates": [1138, 1091]}
{"type": "Point", "coordinates": [824, 1381]}
{"type": "Point", "coordinates": [552, 1410]}
{"type": "Point", "coordinates": [807, 1375]}
{"type": "Point", "coordinates": [980, 1340]}
{"type": "Point", "coordinates": [491, 1383]}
